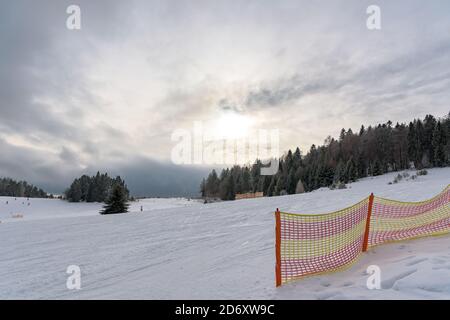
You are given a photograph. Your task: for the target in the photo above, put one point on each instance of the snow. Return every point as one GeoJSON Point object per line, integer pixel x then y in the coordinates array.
{"type": "Point", "coordinates": [180, 249]}
{"type": "Point", "coordinates": [18, 209]}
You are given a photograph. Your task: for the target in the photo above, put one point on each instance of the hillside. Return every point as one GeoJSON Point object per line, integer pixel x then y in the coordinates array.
{"type": "Point", "coordinates": [357, 154]}
{"type": "Point", "coordinates": [181, 249]}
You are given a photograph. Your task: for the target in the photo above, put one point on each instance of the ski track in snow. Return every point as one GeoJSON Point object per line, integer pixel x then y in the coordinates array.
{"type": "Point", "coordinates": [179, 249]}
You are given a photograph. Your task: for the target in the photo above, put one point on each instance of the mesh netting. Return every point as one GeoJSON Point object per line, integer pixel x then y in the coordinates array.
{"type": "Point", "coordinates": [318, 243]}
{"type": "Point", "coordinates": [394, 220]}
{"type": "Point", "coordinates": [313, 244]}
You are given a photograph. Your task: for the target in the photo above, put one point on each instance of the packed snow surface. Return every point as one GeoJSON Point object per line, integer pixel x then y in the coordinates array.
{"type": "Point", "coordinates": [181, 249]}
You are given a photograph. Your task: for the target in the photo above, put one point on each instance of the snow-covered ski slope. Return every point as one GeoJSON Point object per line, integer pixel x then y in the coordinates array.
{"type": "Point", "coordinates": [34, 209]}
{"type": "Point", "coordinates": [183, 249]}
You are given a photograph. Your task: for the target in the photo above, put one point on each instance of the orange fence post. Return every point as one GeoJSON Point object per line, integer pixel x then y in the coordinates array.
{"type": "Point", "coordinates": [366, 234]}
{"type": "Point", "coordinates": [317, 237]}
{"type": "Point", "coordinates": [278, 247]}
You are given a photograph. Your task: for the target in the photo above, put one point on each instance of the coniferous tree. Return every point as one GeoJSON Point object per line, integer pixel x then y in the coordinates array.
{"type": "Point", "coordinates": [279, 186]}
{"type": "Point", "coordinates": [292, 181]}
{"type": "Point", "coordinates": [76, 191]}
{"type": "Point", "coordinates": [377, 169]}
{"type": "Point", "coordinates": [93, 189]}
{"type": "Point", "coordinates": [203, 188]}
{"type": "Point", "coordinates": [212, 184]}
{"type": "Point", "coordinates": [117, 202]}
{"type": "Point", "coordinates": [374, 150]}
{"type": "Point", "coordinates": [429, 125]}
{"type": "Point", "coordinates": [13, 188]}
{"type": "Point", "coordinates": [350, 171]}
{"type": "Point", "coordinates": [339, 173]}
{"type": "Point", "coordinates": [439, 142]}
{"type": "Point", "coordinates": [421, 156]}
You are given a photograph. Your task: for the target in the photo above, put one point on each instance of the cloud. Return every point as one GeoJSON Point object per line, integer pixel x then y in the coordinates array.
{"type": "Point", "coordinates": [147, 177]}
{"type": "Point", "coordinates": [52, 171]}
{"type": "Point", "coordinates": [110, 95]}
{"type": "Point", "coordinates": [291, 90]}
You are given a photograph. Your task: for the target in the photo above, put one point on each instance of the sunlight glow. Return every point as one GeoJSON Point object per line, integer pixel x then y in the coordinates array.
{"type": "Point", "coordinates": [233, 126]}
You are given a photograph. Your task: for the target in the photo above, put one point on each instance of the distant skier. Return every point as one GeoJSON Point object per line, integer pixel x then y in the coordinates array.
{"type": "Point", "coordinates": [142, 209]}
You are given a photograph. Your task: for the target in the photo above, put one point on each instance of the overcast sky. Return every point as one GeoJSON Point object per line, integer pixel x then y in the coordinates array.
{"type": "Point", "coordinates": [109, 96]}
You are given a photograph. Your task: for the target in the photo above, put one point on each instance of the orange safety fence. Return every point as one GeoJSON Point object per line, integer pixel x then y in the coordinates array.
{"type": "Point", "coordinates": [309, 244]}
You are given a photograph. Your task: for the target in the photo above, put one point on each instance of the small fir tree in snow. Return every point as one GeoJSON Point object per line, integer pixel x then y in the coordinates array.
{"type": "Point", "coordinates": [117, 201]}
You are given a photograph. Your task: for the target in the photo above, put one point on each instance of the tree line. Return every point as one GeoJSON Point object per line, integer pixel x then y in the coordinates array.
{"type": "Point", "coordinates": [97, 188]}
{"type": "Point", "coordinates": [13, 188]}
{"type": "Point", "coordinates": [371, 151]}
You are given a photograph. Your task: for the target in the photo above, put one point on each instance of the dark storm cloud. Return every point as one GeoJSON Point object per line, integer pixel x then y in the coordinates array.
{"type": "Point", "coordinates": [38, 167]}
{"type": "Point", "coordinates": [147, 177]}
